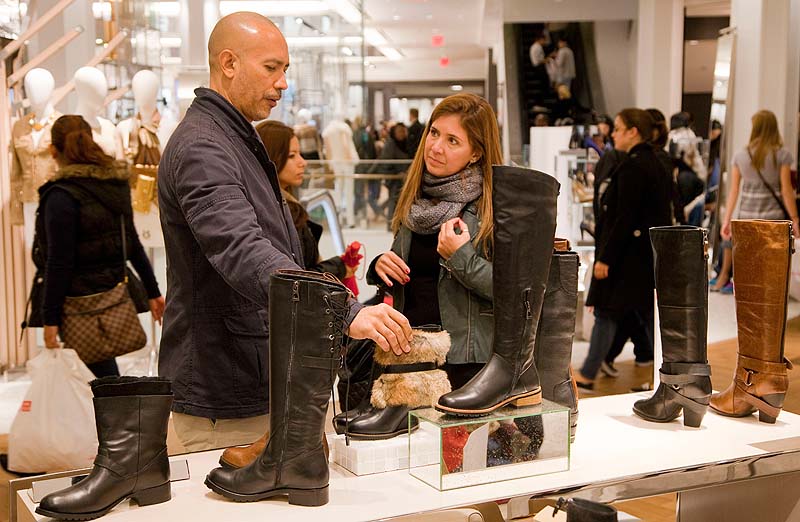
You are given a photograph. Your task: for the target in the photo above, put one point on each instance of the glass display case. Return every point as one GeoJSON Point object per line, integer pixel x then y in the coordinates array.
{"type": "Point", "coordinates": [508, 444]}
{"type": "Point", "coordinates": [580, 172]}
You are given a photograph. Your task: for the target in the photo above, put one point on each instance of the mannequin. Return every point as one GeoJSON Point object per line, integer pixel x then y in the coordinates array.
{"type": "Point", "coordinates": [31, 162]}
{"type": "Point", "coordinates": [145, 86]}
{"type": "Point", "coordinates": [308, 135]}
{"type": "Point", "coordinates": [341, 152]}
{"type": "Point", "coordinates": [92, 89]}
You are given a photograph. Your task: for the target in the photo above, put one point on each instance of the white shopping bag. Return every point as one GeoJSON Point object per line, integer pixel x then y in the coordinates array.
{"type": "Point", "coordinates": [54, 429]}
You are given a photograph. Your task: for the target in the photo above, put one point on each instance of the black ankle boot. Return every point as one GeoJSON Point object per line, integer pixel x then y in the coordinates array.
{"type": "Point", "coordinates": [524, 208]}
{"type": "Point", "coordinates": [306, 316]}
{"type": "Point", "coordinates": [131, 415]}
{"type": "Point", "coordinates": [553, 349]}
{"type": "Point", "coordinates": [581, 510]}
{"type": "Point", "coordinates": [681, 273]}
{"type": "Point", "coordinates": [407, 381]}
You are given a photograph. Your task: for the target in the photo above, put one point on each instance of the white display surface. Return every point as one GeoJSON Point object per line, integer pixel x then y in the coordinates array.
{"type": "Point", "coordinates": [611, 444]}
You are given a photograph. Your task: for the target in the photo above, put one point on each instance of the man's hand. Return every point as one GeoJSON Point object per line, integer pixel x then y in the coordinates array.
{"type": "Point", "coordinates": [391, 267]}
{"type": "Point", "coordinates": [449, 240]}
{"type": "Point", "coordinates": [600, 270]}
{"type": "Point", "coordinates": [51, 337]}
{"type": "Point", "coordinates": [384, 325]}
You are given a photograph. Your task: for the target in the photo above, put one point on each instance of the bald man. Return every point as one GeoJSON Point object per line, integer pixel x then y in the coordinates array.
{"type": "Point", "coordinates": [226, 229]}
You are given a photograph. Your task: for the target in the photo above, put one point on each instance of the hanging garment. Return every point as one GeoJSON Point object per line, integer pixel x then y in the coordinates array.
{"type": "Point", "coordinates": [32, 165]}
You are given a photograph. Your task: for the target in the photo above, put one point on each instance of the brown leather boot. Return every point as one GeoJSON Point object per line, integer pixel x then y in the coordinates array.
{"type": "Point", "coordinates": [762, 252]}
{"type": "Point", "coordinates": [241, 456]}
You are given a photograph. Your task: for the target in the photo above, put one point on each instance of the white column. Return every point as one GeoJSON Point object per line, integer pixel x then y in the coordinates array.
{"type": "Point", "coordinates": [659, 55]}
{"type": "Point", "coordinates": [766, 71]}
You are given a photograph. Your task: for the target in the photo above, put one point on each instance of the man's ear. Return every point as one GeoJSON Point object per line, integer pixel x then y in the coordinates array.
{"type": "Point", "coordinates": [228, 63]}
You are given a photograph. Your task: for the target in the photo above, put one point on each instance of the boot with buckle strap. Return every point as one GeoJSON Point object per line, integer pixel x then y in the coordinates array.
{"type": "Point", "coordinates": [762, 255]}
{"type": "Point", "coordinates": [307, 314]}
{"type": "Point", "coordinates": [680, 260]}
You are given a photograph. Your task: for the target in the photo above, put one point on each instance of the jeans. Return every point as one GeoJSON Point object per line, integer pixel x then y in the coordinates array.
{"type": "Point", "coordinates": [629, 328]}
{"type": "Point", "coordinates": [604, 332]}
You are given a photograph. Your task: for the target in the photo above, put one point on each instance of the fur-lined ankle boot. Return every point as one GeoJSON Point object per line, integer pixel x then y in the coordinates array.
{"type": "Point", "coordinates": [409, 381]}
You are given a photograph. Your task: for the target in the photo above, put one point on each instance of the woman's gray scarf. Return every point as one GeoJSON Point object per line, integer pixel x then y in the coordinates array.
{"type": "Point", "coordinates": [444, 199]}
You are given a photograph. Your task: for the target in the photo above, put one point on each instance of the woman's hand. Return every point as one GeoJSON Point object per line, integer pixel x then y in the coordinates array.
{"type": "Point", "coordinates": [51, 337]}
{"type": "Point", "coordinates": [725, 231]}
{"type": "Point", "coordinates": [449, 240]}
{"type": "Point", "coordinates": [600, 270]}
{"type": "Point", "coordinates": [391, 267]}
{"type": "Point", "coordinates": [157, 308]}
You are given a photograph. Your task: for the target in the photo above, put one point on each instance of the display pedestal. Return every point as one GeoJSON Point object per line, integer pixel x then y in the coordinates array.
{"type": "Point", "coordinates": [508, 444]}
{"type": "Point", "coordinates": [365, 457]}
{"type": "Point", "coordinates": [616, 456]}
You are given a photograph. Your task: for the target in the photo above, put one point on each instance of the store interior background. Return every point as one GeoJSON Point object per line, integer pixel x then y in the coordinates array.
{"type": "Point", "coordinates": [375, 59]}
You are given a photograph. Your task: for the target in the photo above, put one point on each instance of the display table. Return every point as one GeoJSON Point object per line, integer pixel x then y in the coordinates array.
{"type": "Point", "coordinates": [616, 456]}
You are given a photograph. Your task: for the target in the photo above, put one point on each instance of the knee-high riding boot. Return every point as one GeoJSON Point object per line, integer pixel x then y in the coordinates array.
{"type": "Point", "coordinates": [306, 315]}
{"type": "Point", "coordinates": [762, 257]}
{"type": "Point", "coordinates": [524, 208]}
{"type": "Point", "coordinates": [681, 274]}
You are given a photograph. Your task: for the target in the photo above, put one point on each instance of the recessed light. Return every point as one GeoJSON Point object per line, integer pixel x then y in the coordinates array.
{"type": "Point", "coordinates": [693, 42]}
{"type": "Point", "coordinates": [396, 18]}
{"type": "Point", "coordinates": [298, 21]}
{"type": "Point", "coordinates": [456, 87]}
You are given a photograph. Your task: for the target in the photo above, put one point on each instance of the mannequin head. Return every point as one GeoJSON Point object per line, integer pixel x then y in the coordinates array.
{"type": "Point", "coordinates": [91, 88]}
{"type": "Point", "coordinates": [145, 86]}
{"type": "Point", "coordinates": [303, 116]}
{"type": "Point", "coordinates": [39, 85]}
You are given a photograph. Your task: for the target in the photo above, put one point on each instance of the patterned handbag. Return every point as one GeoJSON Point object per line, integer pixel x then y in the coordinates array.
{"type": "Point", "coordinates": [103, 325]}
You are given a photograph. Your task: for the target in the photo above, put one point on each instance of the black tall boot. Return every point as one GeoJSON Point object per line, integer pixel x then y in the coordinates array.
{"type": "Point", "coordinates": [408, 381]}
{"type": "Point", "coordinates": [306, 316]}
{"type": "Point", "coordinates": [524, 207]}
{"type": "Point", "coordinates": [131, 414]}
{"type": "Point", "coordinates": [681, 273]}
{"type": "Point", "coordinates": [553, 348]}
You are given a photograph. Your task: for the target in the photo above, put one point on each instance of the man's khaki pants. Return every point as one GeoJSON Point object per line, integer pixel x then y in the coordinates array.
{"type": "Point", "coordinates": [200, 433]}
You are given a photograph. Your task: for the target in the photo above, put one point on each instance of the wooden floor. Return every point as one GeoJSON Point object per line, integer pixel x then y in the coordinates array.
{"type": "Point", "coordinates": [722, 357]}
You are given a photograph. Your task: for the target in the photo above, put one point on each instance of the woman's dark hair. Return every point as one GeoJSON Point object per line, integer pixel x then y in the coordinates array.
{"type": "Point", "coordinates": [640, 120]}
{"type": "Point", "coordinates": [660, 132]}
{"type": "Point", "coordinates": [277, 137]}
{"type": "Point", "coordinates": [394, 129]}
{"type": "Point", "coordinates": [72, 138]}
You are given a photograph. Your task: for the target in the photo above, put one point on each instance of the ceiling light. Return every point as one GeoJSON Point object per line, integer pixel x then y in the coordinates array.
{"type": "Point", "coordinates": [101, 10]}
{"type": "Point", "coordinates": [347, 51]}
{"type": "Point", "coordinates": [456, 87]}
{"type": "Point", "coordinates": [693, 42]}
{"type": "Point", "coordinates": [168, 9]}
{"type": "Point", "coordinates": [346, 10]}
{"type": "Point", "coordinates": [396, 18]}
{"type": "Point", "coordinates": [298, 21]}
{"type": "Point", "coordinates": [391, 53]}
{"type": "Point", "coordinates": [274, 7]}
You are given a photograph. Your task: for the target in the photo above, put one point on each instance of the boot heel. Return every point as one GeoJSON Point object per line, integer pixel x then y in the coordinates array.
{"type": "Point", "coordinates": [530, 400]}
{"type": "Point", "coordinates": [309, 497]}
{"type": "Point", "coordinates": [692, 418]}
{"type": "Point", "coordinates": [776, 400]}
{"type": "Point", "coordinates": [150, 496]}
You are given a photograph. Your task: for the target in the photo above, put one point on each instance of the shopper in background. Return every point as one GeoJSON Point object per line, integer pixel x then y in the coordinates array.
{"type": "Point", "coordinates": [762, 173]}
{"type": "Point", "coordinates": [395, 147]}
{"type": "Point", "coordinates": [565, 64]}
{"type": "Point", "coordinates": [438, 269]}
{"type": "Point", "coordinates": [283, 149]}
{"type": "Point", "coordinates": [78, 243]}
{"type": "Point", "coordinates": [415, 130]}
{"type": "Point", "coordinates": [227, 231]}
{"type": "Point", "coordinates": [636, 198]}
{"type": "Point", "coordinates": [364, 140]}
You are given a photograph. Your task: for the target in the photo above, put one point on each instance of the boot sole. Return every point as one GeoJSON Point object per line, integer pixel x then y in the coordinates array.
{"type": "Point", "coordinates": [298, 497]}
{"type": "Point", "coordinates": [227, 465]}
{"type": "Point", "coordinates": [380, 436]}
{"type": "Point", "coordinates": [145, 497]}
{"type": "Point", "coordinates": [529, 399]}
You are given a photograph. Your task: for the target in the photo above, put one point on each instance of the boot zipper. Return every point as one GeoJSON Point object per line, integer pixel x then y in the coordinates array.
{"type": "Point", "coordinates": [293, 340]}
{"type": "Point", "coordinates": [526, 296]}
{"type": "Point", "coordinates": [791, 238]}
{"type": "Point", "coordinates": [705, 243]}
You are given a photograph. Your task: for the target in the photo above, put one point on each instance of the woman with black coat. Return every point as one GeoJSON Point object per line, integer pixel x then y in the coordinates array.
{"type": "Point", "coordinates": [637, 198]}
{"type": "Point", "coordinates": [78, 244]}
{"type": "Point", "coordinates": [395, 148]}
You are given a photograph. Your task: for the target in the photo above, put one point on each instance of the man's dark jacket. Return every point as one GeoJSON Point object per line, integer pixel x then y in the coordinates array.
{"type": "Point", "coordinates": [226, 229]}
